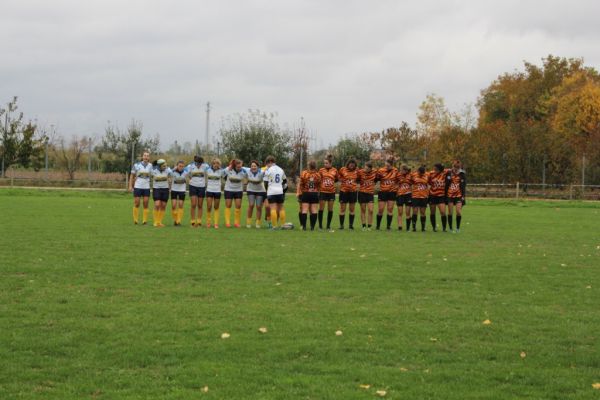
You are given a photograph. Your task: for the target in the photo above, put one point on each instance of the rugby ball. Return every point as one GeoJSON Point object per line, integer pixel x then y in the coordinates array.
{"type": "Point", "coordinates": [287, 226]}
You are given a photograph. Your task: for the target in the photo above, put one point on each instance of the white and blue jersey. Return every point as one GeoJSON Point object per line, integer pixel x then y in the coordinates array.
{"type": "Point", "coordinates": [213, 180]}
{"type": "Point", "coordinates": [160, 179]}
{"type": "Point", "coordinates": [197, 174]}
{"type": "Point", "coordinates": [142, 171]}
{"type": "Point", "coordinates": [178, 180]}
{"type": "Point", "coordinates": [255, 181]}
{"type": "Point", "coordinates": [274, 176]}
{"type": "Point", "coordinates": [234, 180]}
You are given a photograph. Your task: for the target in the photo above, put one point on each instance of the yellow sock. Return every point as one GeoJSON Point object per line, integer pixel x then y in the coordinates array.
{"type": "Point", "coordinates": [227, 215]}
{"type": "Point", "coordinates": [249, 221]}
{"type": "Point", "coordinates": [155, 217]}
{"type": "Point", "coordinates": [145, 215]}
{"type": "Point", "coordinates": [136, 212]}
{"type": "Point", "coordinates": [174, 214]}
{"type": "Point", "coordinates": [161, 214]}
{"type": "Point", "coordinates": [274, 217]}
{"type": "Point", "coordinates": [257, 222]}
{"type": "Point", "coordinates": [281, 217]}
{"type": "Point", "coordinates": [209, 217]}
{"type": "Point", "coordinates": [180, 215]}
{"type": "Point", "coordinates": [237, 216]}
{"type": "Point", "coordinates": [216, 218]}
{"type": "Point", "coordinates": [198, 221]}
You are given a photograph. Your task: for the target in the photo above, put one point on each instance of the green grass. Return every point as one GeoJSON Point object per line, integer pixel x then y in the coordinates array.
{"type": "Point", "coordinates": [92, 306]}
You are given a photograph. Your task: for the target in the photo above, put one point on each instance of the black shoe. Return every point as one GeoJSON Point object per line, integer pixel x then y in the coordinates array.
{"type": "Point", "coordinates": [399, 228]}
{"type": "Point", "coordinates": [435, 229]}
{"type": "Point", "coordinates": [351, 228]}
{"type": "Point", "coordinates": [414, 229]}
{"type": "Point", "coordinates": [341, 228]}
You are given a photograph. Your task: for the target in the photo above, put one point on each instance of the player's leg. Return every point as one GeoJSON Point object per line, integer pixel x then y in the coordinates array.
{"type": "Point", "coordinates": [450, 213]}
{"type": "Point", "coordinates": [390, 213]}
{"type": "Point", "coordinates": [174, 211]}
{"type": "Point", "coordinates": [415, 216]}
{"type": "Point", "coordinates": [228, 201]}
{"type": "Point", "coordinates": [314, 208]}
{"type": "Point", "coordinates": [238, 211]}
{"type": "Point", "coordinates": [200, 207]}
{"type": "Point", "coordinates": [303, 215]}
{"type": "Point", "coordinates": [259, 210]}
{"type": "Point", "coordinates": [136, 208]}
{"type": "Point", "coordinates": [407, 210]}
{"type": "Point", "coordinates": [180, 208]}
{"type": "Point", "coordinates": [458, 215]}
{"type": "Point", "coordinates": [370, 208]}
{"type": "Point", "coordinates": [442, 209]}
{"type": "Point", "coordinates": [216, 204]}
{"type": "Point", "coordinates": [251, 202]}
{"type": "Point", "coordinates": [363, 214]}
{"type": "Point", "coordinates": [321, 209]}
{"type": "Point", "coordinates": [342, 215]}
{"type": "Point", "coordinates": [330, 212]}
{"type": "Point", "coordinates": [423, 212]}
{"type": "Point", "coordinates": [145, 204]}
{"type": "Point", "coordinates": [352, 207]}
{"type": "Point", "coordinates": [432, 208]}
{"type": "Point", "coordinates": [400, 211]}
{"type": "Point", "coordinates": [381, 202]}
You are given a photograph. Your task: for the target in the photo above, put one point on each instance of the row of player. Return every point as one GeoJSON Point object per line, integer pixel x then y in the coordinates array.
{"type": "Point", "coordinates": [316, 190]}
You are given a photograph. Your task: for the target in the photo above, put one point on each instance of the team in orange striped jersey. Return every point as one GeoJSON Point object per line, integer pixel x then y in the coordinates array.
{"type": "Point", "coordinates": [404, 196]}
{"type": "Point", "coordinates": [310, 181]}
{"type": "Point", "coordinates": [348, 177]}
{"type": "Point", "coordinates": [387, 177]}
{"type": "Point", "coordinates": [456, 190]}
{"type": "Point", "coordinates": [366, 192]}
{"type": "Point", "coordinates": [437, 195]}
{"type": "Point", "coordinates": [420, 194]}
{"type": "Point", "coordinates": [329, 176]}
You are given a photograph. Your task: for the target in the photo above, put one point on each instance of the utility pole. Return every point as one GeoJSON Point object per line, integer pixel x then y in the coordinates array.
{"type": "Point", "coordinates": [89, 157]}
{"type": "Point", "coordinates": [4, 136]}
{"type": "Point", "coordinates": [582, 171]}
{"type": "Point", "coordinates": [207, 125]}
{"type": "Point", "coordinates": [544, 174]}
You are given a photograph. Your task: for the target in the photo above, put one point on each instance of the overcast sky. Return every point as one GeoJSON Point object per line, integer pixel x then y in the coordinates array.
{"type": "Point", "coordinates": [345, 66]}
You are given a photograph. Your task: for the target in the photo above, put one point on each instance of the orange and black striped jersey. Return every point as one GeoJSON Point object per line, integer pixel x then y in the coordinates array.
{"type": "Point", "coordinates": [387, 179]}
{"type": "Point", "coordinates": [328, 178]}
{"type": "Point", "coordinates": [367, 181]}
{"type": "Point", "coordinates": [437, 183]}
{"type": "Point", "coordinates": [310, 181]}
{"type": "Point", "coordinates": [348, 179]}
{"type": "Point", "coordinates": [420, 185]}
{"type": "Point", "coordinates": [404, 183]}
{"type": "Point", "coordinates": [456, 184]}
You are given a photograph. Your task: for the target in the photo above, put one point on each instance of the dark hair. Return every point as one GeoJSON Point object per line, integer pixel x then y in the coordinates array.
{"type": "Point", "coordinates": [255, 162]}
{"type": "Point", "coordinates": [351, 161]}
{"type": "Point", "coordinates": [269, 159]}
{"type": "Point", "coordinates": [405, 168]}
{"type": "Point", "coordinates": [422, 169]}
{"type": "Point", "coordinates": [457, 162]}
{"type": "Point", "coordinates": [198, 159]}
{"type": "Point", "coordinates": [312, 165]}
{"type": "Point", "coordinates": [369, 164]}
{"type": "Point", "coordinates": [329, 157]}
{"type": "Point", "coordinates": [439, 167]}
{"type": "Point", "coordinates": [390, 160]}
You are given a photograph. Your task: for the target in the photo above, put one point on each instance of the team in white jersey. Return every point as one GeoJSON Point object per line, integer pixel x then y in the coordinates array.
{"type": "Point", "coordinates": [256, 191]}
{"type": "Point", "coordinates": [161, 176]}
{"type": "Point", "coordinates": [139, 185]}
{"type": "Point", "coordinates": [214, 176]}
{"type": "Point", "coordinates": [178, 186]}
{"type": "Point", "coordinates": [197, 175]}
{"type": "Point", "coordinates": [276, 183]}
{"type": "Point", "coordinates": [234, 175]}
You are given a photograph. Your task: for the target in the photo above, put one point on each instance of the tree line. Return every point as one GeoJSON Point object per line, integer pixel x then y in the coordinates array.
{"type": "Point", "coordinates": [538, 124]}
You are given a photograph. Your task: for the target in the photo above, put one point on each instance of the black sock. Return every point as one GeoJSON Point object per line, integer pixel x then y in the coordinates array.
{"type": "Point", "coordinates": [379, 218]}
{"type": "Point", "coordinates": [364, 225]}
{"type": "Point", "coordinates": [313, 221]}
{"type": "Point", "coordinates": [320, 219]}
{"type": "Point", "coordinates": [432, 221]}
{"type": "Point", "coordinates": [300, 217]}
{"type": "Point", "coordinates": [444, 222]}
{"type": "Point", "coordinates": [329, 218]}
{"type": "Point", "coordinates": [389, 220]}
{"type": "Point", "coordinates": [450, 221]}
{"type": "Point", "coordinates": [408, 223]}
{"type": "Point", "coordinates": [303, 220]}
{"type": "Point", "coordinates": [414, 221]}
{"type": "Point", "coordinates": [368, 226]}
{"type": "Point", "coordinates": [423, 221]}
{"type": "Point", "coordinates": [342, 218]}
{"type": "Point", "coordinates": [351, 222]}
{"type": "Point", "coordinates": [458, 219]}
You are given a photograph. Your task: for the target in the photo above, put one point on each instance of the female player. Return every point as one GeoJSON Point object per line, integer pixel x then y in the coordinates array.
{"type": "Point", "coordinates": [256, 193]}
{"type": "Point", "coordinates": [276, 183]}
{"type": "Point", "coordinates": [160, 190]}
{"type": "Point", "coordinates": [139, 185]}
{"type": "Point", "coordinates": [366, 178]}
{"type": "Point", "coordinates": [437, 195]}
{"type": "Point", "coordinates": [420, 192]}
{"type": "Point", "coordinates": [386, 198]}
{"type": "Point", "coordinates": [178, 183]}
{"type": "Point", "coordinates": [404, 196]}
{"type": "Point", "coordinates": [348, 177]}
{"type": "Point", "coordinates": [456, 190]}
{"type": "Point", "coordinates": [310, 180]}
{"type": "Point", "coordinates": [197, 174]}
{"type": "Point", "coordinates": [329, 176]}
{"type": "Point", "coordinates": [214, 175]}
{"type": "Point", "coordinates": [234, 176]}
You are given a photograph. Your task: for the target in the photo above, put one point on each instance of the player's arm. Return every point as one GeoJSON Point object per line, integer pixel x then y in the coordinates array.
{"type": "Point", "coordinates": [463, 187]}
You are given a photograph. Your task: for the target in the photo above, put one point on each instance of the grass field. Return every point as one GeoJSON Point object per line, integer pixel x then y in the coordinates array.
{"type": "Point", "coordinates": [92, 306]}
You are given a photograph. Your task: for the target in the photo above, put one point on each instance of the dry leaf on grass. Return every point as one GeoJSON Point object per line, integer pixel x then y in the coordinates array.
{"type": "Point", "coordinates": [381, 393]}
{"type": "Point", "coordinates": [205, 389]}
{"type": "Point", "coordinates": [596, 385]}
{"type": "Point", "coordinates": [487, 322]}
{"type": "Point", "coordinates": [523, 354]}
{"type": "Point", "coordinates": [363, 386]}
{"type": "Point", "coordinates": [339, 333]}
{"type": "Point", "coordinates": [225, 335]}
{"type": "Point", "coordinates": [263, 329]}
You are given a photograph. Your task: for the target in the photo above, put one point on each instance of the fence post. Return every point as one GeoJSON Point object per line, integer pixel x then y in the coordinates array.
{"type": "Point", "coordinates": [12, 175]}
{"type": "Point", "coordinates": [517, 194]}
{"type": "Point", "coordinates": [571, 192]}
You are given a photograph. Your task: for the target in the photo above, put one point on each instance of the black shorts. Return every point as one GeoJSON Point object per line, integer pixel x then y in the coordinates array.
{"type": "Point", "coordinates": [365, 198]}
{"type": "Point", "coordinates": [213, 195]}
{"type": "Point", "coordinates": [233, 195]}
{"type": "Point", "coordinates": [435, 200]}
{"type": "Point", "coordinates": [310, 197]}
{"type": "Point", "coordinates": [276, 198]}
{"type": "Point", "coordinates": [455, 200]}
{"type": "Point", "coordinates": [177, 195]}
{"type": "Point", "coordinates": [386, 196]}
{"type": "Point", "coordinates": [197, 191]}
{"type": "Point", "coordinates": [419, 203]}
{"type": "Point", "coordinates": [141, 192]}
{"type": "Point", "coordinates": [348, 197]}
{"type": "Point", "coordinates": [326, 196]}
{"type": "Point", "coordinates": [160, 194]}
{"type": "Point", "coordinates": [404, 200]}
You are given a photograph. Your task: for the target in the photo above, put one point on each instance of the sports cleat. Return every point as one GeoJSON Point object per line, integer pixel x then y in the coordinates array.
{"type": "Point", "coordinates": [258, 226]}
{"type": "Point", "coordinates": [216, 226]}
{"type": "Point", "coordinates": [227, 225]}
{"type": "Point", "coordinates": [458, 231]}
{"type": "Point", "coordinates": [208, 225]}
{"type": "Point", "coordinates": [236, 226]}
{"type": "Point", "coordinates": [248, 226]}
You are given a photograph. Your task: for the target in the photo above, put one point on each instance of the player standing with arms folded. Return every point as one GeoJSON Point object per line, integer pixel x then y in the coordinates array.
{"type": "Point", "coordinates": [160, 191]}
{"type": "Point", "coordinates": [348, 177]}
{"type": "Point", "coordinates": [234, 176]}
{"type": "Point", "coordinates": [420, 194]}
{"type": "Point", "coordinates": [310, 180]}
{"type": "Point", "coordinates": [214, 174]}
{"type": "Point", "coordinates": [178, 186]}
{"type": "Point", "coordinates": [366, 194]}
{"type": "Point", "coordinates": [276, 183]}
{"type": "Point", "coordinates": [329, 176]}
{"type": "Point", "coordinates": [456, 190]}
{"type": "Point", "coordinates": [139, 185]}
{"type": "Point", "coordinates": [404, 196]}
{"type": "Point", "coordinates": [437, 195]}
{"type": "Point", "coordinates": [197, 175]}
{"type": "Point", "coordinates": [256, 192]}
{"type": "Point", "coordinates": [386, 198]}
